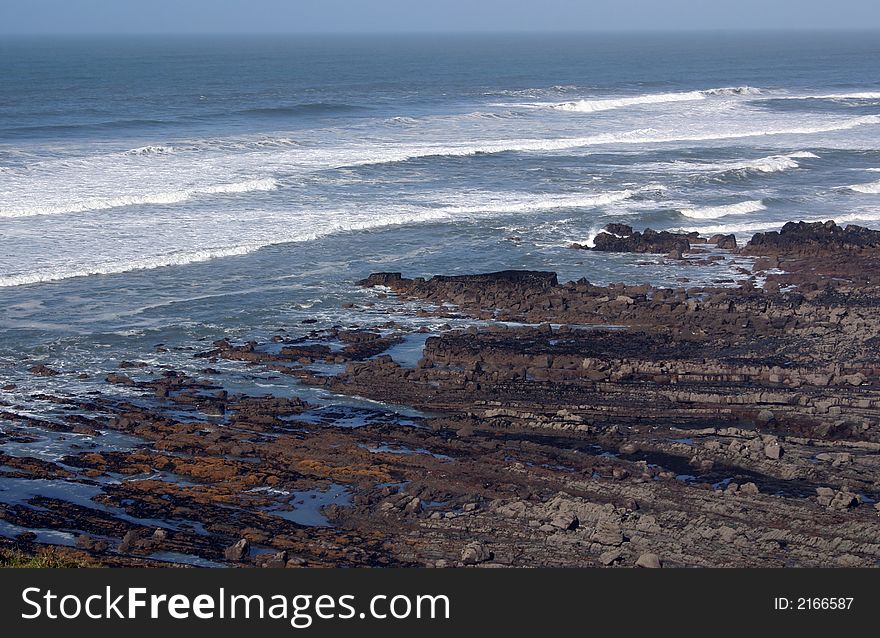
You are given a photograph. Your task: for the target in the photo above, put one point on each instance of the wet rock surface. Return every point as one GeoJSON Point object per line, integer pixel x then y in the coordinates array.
{"type": "Point", "coordinates": [555, 423]}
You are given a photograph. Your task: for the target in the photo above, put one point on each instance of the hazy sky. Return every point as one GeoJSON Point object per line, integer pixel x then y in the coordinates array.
{"type": "Point", "coordinates": [322, 16]}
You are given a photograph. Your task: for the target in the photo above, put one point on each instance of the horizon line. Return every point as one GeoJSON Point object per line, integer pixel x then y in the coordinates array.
{"type": "Point", "coordinates": [475, 32]}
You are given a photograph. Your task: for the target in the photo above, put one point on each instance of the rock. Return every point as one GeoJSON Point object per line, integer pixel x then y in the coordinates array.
{"type": "Point", "coordinates": [727, 242]}
{"type": "Point", "coordinates": [119, 379]}
{"type": "Point", "coordinates": [474, 553]}
{"type": "Point", "coordinates": [844, 500]}
{"type": "Point", "coordinates": [649, 561]}
{"type": "Point", "coordinates": [86, 542]}
{"type": "Point", "coordinates": [804, 239]}
{"type": "Point", "coordinates": [621, 230]}
{"type": "Point", "coordinates": [609, 557]}
{"type": "Point", "coordinates": [276, 561]}
{"type": "Point", "coordinates": [43, 371]}
{"type": "Point", "coordinates": [387, 279]}
{"type": "Point", "coordinates": [647, 241]}
{"type": "Point", "coordinates": [836, 499]}
{"type": "Point", "coordinates": [237, 551]}
{"type": "Point", "coordinates": [414, 506]}
{"type": "Point", "coordinates": [607, 533]}
{"type": "Point", "coordinates": [773, 451]}
{"type": "Point", "coordinates": [568, 522]}
{"type": "Point", "coordinates": [675, 253]}
{"type": "Point", "coordinates": [129, 541]}
{"type": "Point", "coordinates": [749, 489]}
{"type": "Point", "coordinates": [765, 416]}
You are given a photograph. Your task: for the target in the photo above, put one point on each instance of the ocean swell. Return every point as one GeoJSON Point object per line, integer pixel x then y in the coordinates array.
{"type": "Point", "coordinates": [711, 212]}
{"type": "Point", "coordinates": [167, 197]}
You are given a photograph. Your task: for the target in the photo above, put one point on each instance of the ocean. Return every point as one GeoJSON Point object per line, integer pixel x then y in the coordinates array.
{"type": "Point", "coordinates": [177, 190]}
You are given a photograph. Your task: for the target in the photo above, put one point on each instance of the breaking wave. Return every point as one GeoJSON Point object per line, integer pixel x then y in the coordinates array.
{"type": "Point", "coordinates": [594, 105]}
{"type": "Point", "coordinates": [503, 204]}
{"type": "Point", "coordinates": [637, 136]}
{"type": "Point", "coordinates": [167, 197]}
{"type": "Point", "coordinates": [769, 164]}
{"type": "Point", "coordinates": [151, 150]}
{"type": "Point", "coordinates": [413, 215]}
{"type": "Point", "coordinates": [871, 188]}
{"type": "Point", "coordinates": [711, 212]}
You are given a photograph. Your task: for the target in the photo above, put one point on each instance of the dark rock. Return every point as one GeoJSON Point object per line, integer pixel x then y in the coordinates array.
{"type": "Point", "coordinates": [728, 242]}
{"type": "Point", "coordinates": [43, 371]}
{"type": "Point", "coordinates": [648, 241]}
{"type": "Point", "coordinates": [237, 551]}
{"type": "Point", "coordinates": [809, 239]}
{"type": "Point", "coordinates": [621, 230]}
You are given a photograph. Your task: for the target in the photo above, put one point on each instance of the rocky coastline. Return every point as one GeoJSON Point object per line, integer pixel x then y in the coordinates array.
{"type": "Point", "coordinates": [554, 424]}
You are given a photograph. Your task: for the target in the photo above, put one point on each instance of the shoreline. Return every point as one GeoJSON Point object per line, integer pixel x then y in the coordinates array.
{"type": "Point", "coordinates": [570, 425]}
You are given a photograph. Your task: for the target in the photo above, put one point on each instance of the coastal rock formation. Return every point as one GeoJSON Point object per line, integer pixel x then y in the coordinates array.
{"type": "Point", "coordinates": [556, 424]}
{"type": "Point", "coordinates": [803, 239]}
{"type": "Point", "coordinates": [621, 238]}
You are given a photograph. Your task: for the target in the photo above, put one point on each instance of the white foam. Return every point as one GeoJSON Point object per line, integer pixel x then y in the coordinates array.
{"type": "Point", "coordinates": [311, 229]}
{"type": "Point", "coordinates": [871, 188]}
{"type": "Point", "coordinates": [166, 197]}
{"type": "Point", "coordinates": [605, 104]}
{"type": "Point", "coordinates": [865, 95]}
{"type": "Point", "coordinates": [151, 150]}
{"type": "Point", "coordinates": [113, 267]}
{"type": "Point", "coordinates": [504, 203]}
{"type": "Point", "coordinates": [769, 164]}
{"type": "Point", "coordinates": [636, 136]}
{"type": "Point", "coordinates": [773, 163]}
{"type": "Point", "coordinates": [711, 212]}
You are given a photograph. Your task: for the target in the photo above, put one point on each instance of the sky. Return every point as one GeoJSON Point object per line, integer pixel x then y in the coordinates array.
{"type": "Point", "coordinates": [383, 16]}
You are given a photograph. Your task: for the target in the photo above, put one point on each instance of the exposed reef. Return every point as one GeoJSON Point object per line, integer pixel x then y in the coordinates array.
{"type": "Point", "coordinates": [556, 424]}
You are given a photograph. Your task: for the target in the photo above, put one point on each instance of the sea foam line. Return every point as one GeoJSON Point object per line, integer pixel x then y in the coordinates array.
{"type": "Point", "coordinates": [711, 212]}
{"type": "Point", "coordinates": [421, 215]}
{"type": "Point", "coordinates": [606, 104]}
{"type": "Point", "coordinates": [167, 197]}
{"type": "Point", "coordinates": [871, 188]}
{"type": "Point", "coordinates": [769, 164]}
{"type": "Point", "coordinates": [637, 136]}
{"type": "Point", "coordinates": [865, 95]}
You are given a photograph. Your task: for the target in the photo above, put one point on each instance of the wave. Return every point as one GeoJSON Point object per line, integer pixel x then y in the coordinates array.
{"type": "Point", "coordinates": [179, 258]}
{"type": "Point", "coordinates": [871, 188]}
{"type": "Point", "coordinates": [773, 163]}
{"type": "Point", "coordinates": [503, 204]}
{"type": "Point", "coordinates": [186, 257]}
{"type": "Point", "coordinates": [418, 215]}
{"type": "Point", "coordinates": [168, 197]}
{"type": "Point", "coordinates": [301, 109]}
{"type": "Point", "coordinates": [637, 136]}
{"type": "Point", "coordinates": [711, 212]}
{"type": "Point", "coordinates": [150, 150]}
{"type": "Point", "coordinates": [867, 95]}
{"type": "Point", "coordinates": [595, 105]}
{"type": "Point", "coordinates": [769, 164]}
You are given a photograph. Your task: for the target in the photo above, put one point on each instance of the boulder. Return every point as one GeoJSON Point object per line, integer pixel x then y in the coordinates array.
{"type": "Point", "coordinates": [649, 561]}
{"type": "Point", "coordinates": [474, 553]}
{"type": "Point", "coordinates": [237, 551]}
